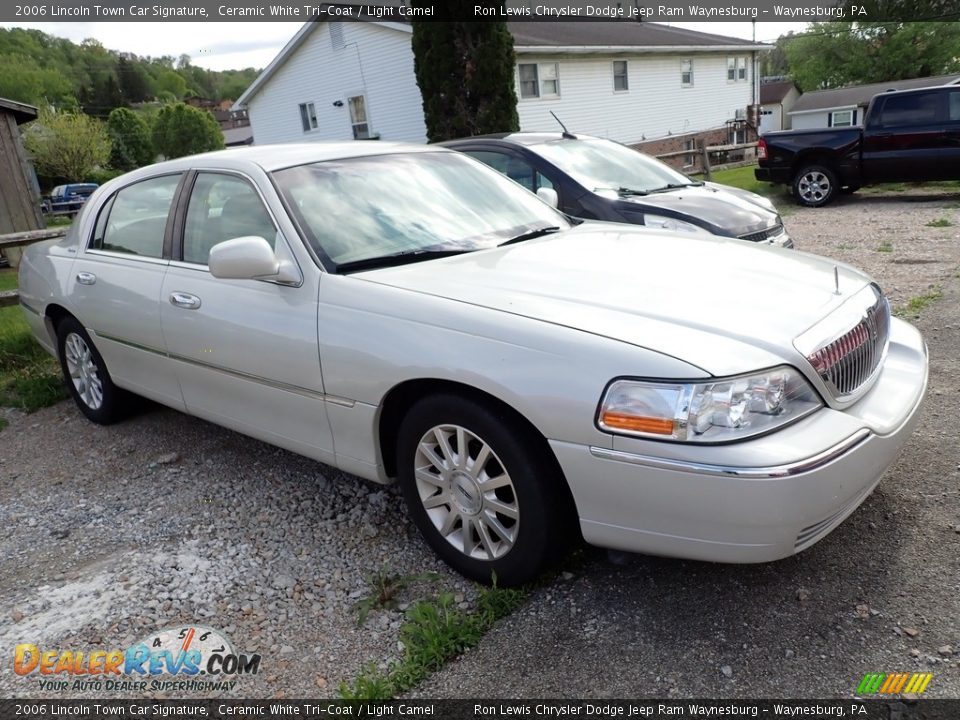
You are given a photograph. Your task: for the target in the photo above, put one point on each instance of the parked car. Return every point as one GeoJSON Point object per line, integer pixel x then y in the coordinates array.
{"type": "Point", "coordinates": [907, 136]}
{"type": "Point", "coordinates": [68, 198]}
{"type": "Point", "coordinates": [600, 179]}
{"type": "Point", "coordinates": [405, 312]}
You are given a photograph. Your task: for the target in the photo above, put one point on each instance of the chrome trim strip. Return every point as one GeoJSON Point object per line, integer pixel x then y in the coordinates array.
{"type": "Point", "coordinates": [776, 471]}
{"type": "Point", "coordinates": [296, 389]}
{"type": "Point", "coordinates": [127, 256]}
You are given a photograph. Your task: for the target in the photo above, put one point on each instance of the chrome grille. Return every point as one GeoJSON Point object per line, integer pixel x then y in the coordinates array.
{"type": "Point", "coordinates": [849, 361]}
{"type": "Point", "coordinates": [763, 234]}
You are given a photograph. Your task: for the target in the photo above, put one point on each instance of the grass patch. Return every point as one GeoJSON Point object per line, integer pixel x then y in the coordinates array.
{"type": "Point", "coordinates": [940, 222]}
{"type": "Point", "coordinates": [919, 303]}
{"type": "Point", "coordinates": [385, 590]}
{"type": "Point", "coordinates": [885, 247]}
{"type": "Point", "coordinates": [59, 221]}
{"type": "Point", "coordinates": [29, 378]}
{"type": "Point", "coordinates": [435, 631]}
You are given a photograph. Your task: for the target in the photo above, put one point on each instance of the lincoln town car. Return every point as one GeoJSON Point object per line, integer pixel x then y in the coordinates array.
{"type": "Point", "coordinates": [406, 313]}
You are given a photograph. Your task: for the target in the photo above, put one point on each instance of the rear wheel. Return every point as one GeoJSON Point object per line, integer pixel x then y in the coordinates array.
{"type": "Point", "coordinates": [480, 489]}
{"type": "Point", "coordinates": [86, 375]}
{"type": "Point", "coordinates": [815, 185]}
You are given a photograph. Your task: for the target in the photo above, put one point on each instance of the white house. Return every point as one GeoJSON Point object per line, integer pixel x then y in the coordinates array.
{"type": "Point", "coordinates": [843, 107]}
{"type": "Point", "coordinates": [638, 83]}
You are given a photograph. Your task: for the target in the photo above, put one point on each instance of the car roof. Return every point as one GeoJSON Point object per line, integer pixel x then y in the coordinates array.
{"type": "Point", "coordinates": [277, 157]}
{"type": "Point", "coordinates": [518, 138]}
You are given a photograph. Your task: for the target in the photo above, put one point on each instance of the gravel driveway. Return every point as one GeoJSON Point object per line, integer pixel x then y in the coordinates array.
{"type": "Point", "coordinates": [164, 519]}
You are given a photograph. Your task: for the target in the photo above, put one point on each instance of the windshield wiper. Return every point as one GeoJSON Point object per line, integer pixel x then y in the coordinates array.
{"type": "Point", "coordinates": [531, 234]}
{"type": "Point", "coordinates": [676, 186]}
{"type": "Point", "coordinates": [401, 258]}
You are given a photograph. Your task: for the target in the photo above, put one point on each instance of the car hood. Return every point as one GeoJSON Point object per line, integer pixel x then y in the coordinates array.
{"type": "Point", "coordinates": [723, 305]}
{"type": "Point", "coordinates": [723, 211]}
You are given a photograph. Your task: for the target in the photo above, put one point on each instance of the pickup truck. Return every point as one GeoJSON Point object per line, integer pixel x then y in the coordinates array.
{"type": "Point", "coordinates": [907, 136]}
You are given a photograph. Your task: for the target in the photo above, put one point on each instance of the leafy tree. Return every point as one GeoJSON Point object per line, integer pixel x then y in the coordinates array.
{"type": "Point", "coordinates": [66, 145]}
{"type": "Point", "coordinates": [24, 80]}
{"type": "Point", "coordinates": [170, 81]}
{"type": "Point", "coordinates": [134, 80]}
{"type": "Point", "coordinates": [180, 130]}
{"type": "Point", "coordinates": [834, 54]}
{"type": "Point", "coordinates": [465, 74]}
{"type": "Point", "coordinates": [132, 146]}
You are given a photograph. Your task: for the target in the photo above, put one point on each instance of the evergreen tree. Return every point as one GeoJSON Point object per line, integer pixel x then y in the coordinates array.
{"type": "Point", "coordinates": [465, 71]}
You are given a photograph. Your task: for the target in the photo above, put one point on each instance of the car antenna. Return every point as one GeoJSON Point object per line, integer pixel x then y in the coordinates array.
{"type": "Point", "coordinates": [566, 135]}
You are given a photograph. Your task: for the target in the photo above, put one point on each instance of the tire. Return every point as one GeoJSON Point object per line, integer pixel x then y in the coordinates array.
{"type": "Point", "coordinates": [86, 375]}
{"type": "Point", "coordinates": [815, 185]}
{"type": "Point", "coordinates": [506, 533]}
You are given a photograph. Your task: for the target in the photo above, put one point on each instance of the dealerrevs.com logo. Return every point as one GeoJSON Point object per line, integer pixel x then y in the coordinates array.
{"type": "Point", "coordinates": [181, 658]}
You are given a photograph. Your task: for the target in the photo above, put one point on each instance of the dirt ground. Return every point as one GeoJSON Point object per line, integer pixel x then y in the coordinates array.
{"type": "Point", "coordinates": [165, 520]}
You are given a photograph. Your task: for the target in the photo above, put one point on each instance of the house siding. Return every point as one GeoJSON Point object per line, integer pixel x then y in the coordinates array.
{"type": "Point", "coordinates": [819, 118]}
{"type": "Point", "coordinates": [374, 61]}
{"type": "Point", "coordinates": [655, 105]}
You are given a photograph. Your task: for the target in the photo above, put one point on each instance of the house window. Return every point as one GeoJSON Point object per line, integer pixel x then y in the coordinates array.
{"type": "Point", "coordinates": [689, 160]}
{"type": "Point", "coordinates": [539, 80]}
{"type": "Point", "coordinates": [358, 117]}
{"type": "Point", "coordinates": [842, 118]}
{"type": "Point", "coordinates": [686, 73]}
{"type": "Point", "coordinates": [736, 69]}
{"type": "Point", "coordinates": [308, 116]}
{"type": "Point", "coordinates": [621, 82]}
{"type": "Point", "coordinates": [738, 135]}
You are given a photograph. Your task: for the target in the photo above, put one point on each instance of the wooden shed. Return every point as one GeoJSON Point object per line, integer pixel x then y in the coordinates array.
{"type": "Point", "coordinates": [19, 194]}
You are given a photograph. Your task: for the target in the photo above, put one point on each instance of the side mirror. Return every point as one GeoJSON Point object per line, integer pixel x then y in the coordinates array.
{"type": "Point", "coordinates": [549, 196]}
{"type": "Point", "coordinates": [250, 258]}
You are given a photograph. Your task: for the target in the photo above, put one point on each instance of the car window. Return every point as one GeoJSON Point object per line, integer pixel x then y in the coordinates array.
{"type": "Point", "coordinates": [136, 218]}
{"type": "Point", "coordinates": [605, 165]}
{"type": "Point", "coordinates": [514, 168]}
{"type": "Point", "coordinates": [365, 207]}
{"type": "Point", "coordinates": [954, 106]}
{"type": "Point", "coordinates": [911, 109]}
{"type": "Point", "coordinates": [223, 207]}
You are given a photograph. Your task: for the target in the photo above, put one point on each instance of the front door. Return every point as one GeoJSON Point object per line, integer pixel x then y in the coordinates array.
{"type": "Point", "coordinates": [245, 351]}
{"type": "Point", "coordinates": [904, 139]}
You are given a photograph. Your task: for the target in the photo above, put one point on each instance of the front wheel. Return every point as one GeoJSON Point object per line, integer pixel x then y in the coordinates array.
{"type": "Point", "coordinates": [86, 374]}
{"type": "Point", "coordinates": [815, 185]}
{"type": "Point", "coordinates": [480, 489]}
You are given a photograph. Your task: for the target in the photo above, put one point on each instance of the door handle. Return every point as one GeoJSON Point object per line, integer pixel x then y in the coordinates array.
{"type": "Point", "coordinates": [85, 278]}
{"type": "Point", "coordinates": [184, 300]}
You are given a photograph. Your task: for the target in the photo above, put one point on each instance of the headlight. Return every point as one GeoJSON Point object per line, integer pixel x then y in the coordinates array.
{"type": "Point", "coordinates": [669, 223]}
{"type": "Point", "coordinates": [715, 411]}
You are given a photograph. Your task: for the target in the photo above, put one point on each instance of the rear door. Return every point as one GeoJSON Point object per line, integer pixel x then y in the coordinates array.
{"type": "Point", "coordinates": [116, 281]}
{"type": "Point", "coordinates": [904, 139]}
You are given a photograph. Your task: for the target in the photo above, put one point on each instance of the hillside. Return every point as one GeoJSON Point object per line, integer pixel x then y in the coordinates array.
{"type": "Point", "coordinates": [37, 67]}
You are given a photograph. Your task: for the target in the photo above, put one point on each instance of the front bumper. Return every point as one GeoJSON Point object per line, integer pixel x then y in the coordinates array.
{"type": "Point", "coordinates": [754, 501]}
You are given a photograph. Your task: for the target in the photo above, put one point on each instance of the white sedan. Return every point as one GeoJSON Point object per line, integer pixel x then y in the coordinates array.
{"type": "Point", "coordinates": [408, 313]}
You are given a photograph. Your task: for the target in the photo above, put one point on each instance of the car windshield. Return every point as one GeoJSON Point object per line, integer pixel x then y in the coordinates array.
{"type": "Point", "coordinates": [605, 165]}
{"type": "Point", "coordinates": [409, 205]}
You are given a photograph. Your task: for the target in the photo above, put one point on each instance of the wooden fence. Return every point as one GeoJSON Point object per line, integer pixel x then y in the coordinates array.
{"type": "Point", "coordinates": [704, 151]}
{"type": "Point", "coordinates": [17, 240]}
